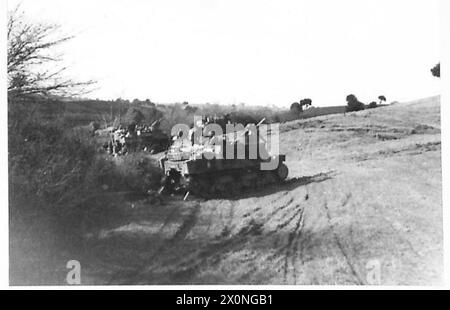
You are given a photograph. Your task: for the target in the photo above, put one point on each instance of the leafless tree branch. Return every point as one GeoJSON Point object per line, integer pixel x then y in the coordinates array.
{"type": "Point", "coordinates": [30, 55]}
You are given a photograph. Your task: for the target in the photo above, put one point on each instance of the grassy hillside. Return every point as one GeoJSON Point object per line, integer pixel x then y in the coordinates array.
{"type": "Point", "coordinates": [364, 190]}
{"type": "Point", "coordinates": [362, 186]}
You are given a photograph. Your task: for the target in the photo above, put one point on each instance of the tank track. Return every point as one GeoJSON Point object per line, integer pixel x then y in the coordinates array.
{"type": "Point", "coordinates": [230, 183]}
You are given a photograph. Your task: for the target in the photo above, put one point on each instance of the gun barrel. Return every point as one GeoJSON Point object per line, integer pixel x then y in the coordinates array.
{"type": "Point", "coordinates": [260, 122]}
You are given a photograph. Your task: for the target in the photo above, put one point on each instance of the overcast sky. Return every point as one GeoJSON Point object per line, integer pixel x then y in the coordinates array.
{"type": "Point", "coordinates": [252, 51]}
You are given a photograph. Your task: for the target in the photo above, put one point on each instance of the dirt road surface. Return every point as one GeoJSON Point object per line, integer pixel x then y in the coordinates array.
{"type": "Point", "coordinates": [362, 205]}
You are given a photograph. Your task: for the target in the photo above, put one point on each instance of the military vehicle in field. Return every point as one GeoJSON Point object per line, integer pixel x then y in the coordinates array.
{"type": "Point", "coordinates": [193, 167]}
{"type": "Point", "coordinates": [137, 138]}
{"type": "Point", "coordinates": [152, 139]}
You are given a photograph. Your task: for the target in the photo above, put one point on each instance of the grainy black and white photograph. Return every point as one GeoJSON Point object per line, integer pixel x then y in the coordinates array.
{"type": "Point", "coordinates": [214, 142]}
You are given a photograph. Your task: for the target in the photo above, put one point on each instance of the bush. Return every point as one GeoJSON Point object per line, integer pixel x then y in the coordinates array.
{"type": "Point", "coordinates": [48, 162]}
{"type": "Point", "coordinates": [436, 70]}
{"type": "Point", "coordinates": [372, 105]}
{"type": "Point", "coordinates": [353, 104]}
{"type": "Point", "coordinates": [295, 108]}
{"type": "Point", "coordinates": [135, 172]}
{"type": "Point", "coordinates": [53, 168]}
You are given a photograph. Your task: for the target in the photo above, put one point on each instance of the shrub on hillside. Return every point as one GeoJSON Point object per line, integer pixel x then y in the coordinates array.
{"type": "Point", "coordinates": [372, 105]}
{"type": "Point", "coordinates": [48, 163]}
{"type": "Point", "coordinates": [52, 167]}
{"type": "Point", "coordinates": [135, 172]}
{"type": "Point", "coordinates": [353, 104]}
{"type": "Point", "coordinates": [436, 70]}
{"type": "Point", "coordinates": [295, 108]}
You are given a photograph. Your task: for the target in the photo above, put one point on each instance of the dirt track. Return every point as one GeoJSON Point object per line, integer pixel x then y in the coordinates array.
{"type": "Point", "coordinates": [364, 188]}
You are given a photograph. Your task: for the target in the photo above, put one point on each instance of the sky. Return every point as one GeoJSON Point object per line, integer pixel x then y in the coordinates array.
{"type": "Point", "coordinates": [252, 51]}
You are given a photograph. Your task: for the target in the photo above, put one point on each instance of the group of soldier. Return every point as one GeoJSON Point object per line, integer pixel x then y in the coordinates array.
{"type": "Point", "coordinates": [124, 140]}
{"type": "Point", "coordinates": [117, 145]}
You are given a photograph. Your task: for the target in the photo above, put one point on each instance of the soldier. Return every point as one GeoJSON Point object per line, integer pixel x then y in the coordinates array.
{"type": "Point", "coordinates": [110, 147]}
{"type": "Point", "coordinates": [195, 134]}
{"type": "Point", "coordinates": [117, 147]}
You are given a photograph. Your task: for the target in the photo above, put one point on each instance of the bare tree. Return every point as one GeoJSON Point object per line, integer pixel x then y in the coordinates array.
{"type": "Point", "coordinates": [32, 63]}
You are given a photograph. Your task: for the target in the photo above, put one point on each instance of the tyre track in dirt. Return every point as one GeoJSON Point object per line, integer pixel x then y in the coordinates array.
{"type": "Point", "coordinates": [251, 231]}
{"type": "Point", "coordinates": [183, 230]}
{"type": "Point", "coordinates": [339, 244]}
{"type": "Point", "coordinates": [291, 248]}
{"type": "Point", "coordinates": [125, 277]}
{"type": "Point", "coordinates": [209, 255]}
{"type": "Point", "coordinates": [286, 211]}
{"type": "Point", "coordinates": [282, 224]}
{"type": "Point", "coordinates": [180, 268]}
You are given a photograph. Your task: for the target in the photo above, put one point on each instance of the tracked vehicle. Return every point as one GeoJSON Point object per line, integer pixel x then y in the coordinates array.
{"type": "Point", "coordinates": [154, 141]}
{"type": "Point", "coordinates": [205, 170]}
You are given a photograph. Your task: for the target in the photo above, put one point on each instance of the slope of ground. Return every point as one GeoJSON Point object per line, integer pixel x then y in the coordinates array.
{"type": "Point", "coordinates": [364, 194]}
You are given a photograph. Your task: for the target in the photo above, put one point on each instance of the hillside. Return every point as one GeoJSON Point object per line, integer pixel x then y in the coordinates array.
{"type": "Point", "coordinates": [364, 192]}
